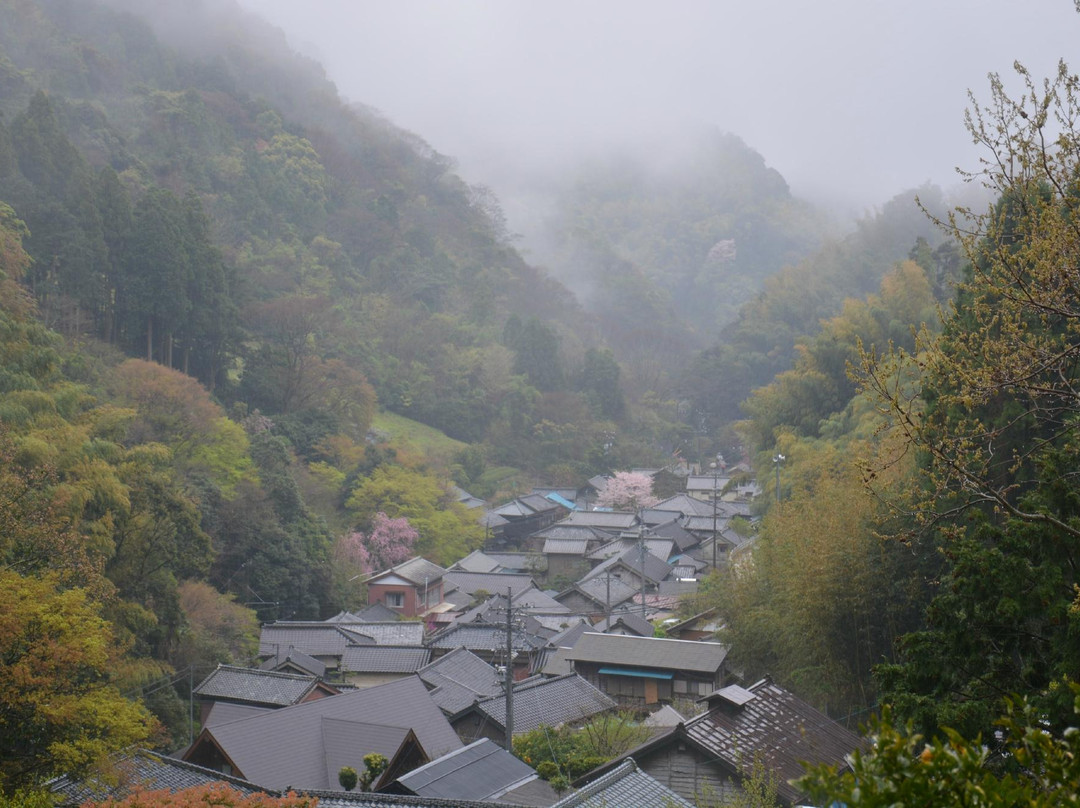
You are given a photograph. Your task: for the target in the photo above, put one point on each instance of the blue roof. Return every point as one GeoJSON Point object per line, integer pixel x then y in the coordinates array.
{"type": "Point", "coordinates": [638, 673]}
{"type": "Point", "coordinates": [561, 500]}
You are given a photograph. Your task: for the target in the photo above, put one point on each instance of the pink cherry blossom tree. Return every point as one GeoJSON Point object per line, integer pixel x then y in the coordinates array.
{"type": "Point", "coordinates": [627, 490]}
{"type": "Point", "coordinates": [389, 542]}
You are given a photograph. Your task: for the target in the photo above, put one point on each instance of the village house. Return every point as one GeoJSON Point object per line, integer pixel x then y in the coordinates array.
{"type": "Point", "coordinates": [647, 671]}
{"type": "Point", "coordinates": [709, 756]}
{"type": "Point", "coordinates": [411, 588]}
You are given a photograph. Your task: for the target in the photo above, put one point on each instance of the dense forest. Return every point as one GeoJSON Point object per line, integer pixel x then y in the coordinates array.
{"type": "Point", "coordinates": [224, 291]}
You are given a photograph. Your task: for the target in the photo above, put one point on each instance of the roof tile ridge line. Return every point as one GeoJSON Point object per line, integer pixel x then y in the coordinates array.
{"type": "Point", "coordinates": [183, 764]}
{"type": "Point", "coordinates": [304, 677]}
{"type": "Point", "coordinates": [602, 782]}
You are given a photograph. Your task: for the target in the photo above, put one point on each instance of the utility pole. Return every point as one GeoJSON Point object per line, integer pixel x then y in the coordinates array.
{"type": "Point", "coordinates": [641, 550]}
{"type": "Point", "coordinates": [776, 462]}
{"type": "Point", "coordinates": [714, 498]}
{"type": "Point", "coordinates": [509, 671]}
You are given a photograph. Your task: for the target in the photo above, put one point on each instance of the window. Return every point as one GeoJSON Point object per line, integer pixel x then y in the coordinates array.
{"type": "Point", "coordinates": [395, 600]}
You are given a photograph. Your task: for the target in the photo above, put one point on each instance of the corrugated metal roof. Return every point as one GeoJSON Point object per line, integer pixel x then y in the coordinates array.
{"type": "Point", "coordinates": [480, 771]}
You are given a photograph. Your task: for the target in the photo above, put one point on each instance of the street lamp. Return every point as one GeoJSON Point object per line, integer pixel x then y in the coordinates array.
{"type": "Point", "coordinates": [776, 462]}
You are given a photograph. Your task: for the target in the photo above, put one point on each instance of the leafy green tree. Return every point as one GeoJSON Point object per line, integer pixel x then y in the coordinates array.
{"type": "Point", "coordinates": [60, 711]}
{"type": "Point", "coordinates": [1031, 767]}
{"type": "Point", "coordinates": [989, 406]}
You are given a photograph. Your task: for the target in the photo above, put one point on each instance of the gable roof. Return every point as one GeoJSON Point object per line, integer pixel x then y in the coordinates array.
{"type": "Point", "coordinates": [649, 652]}
{"type": "Point", "coordinates": [612, 520]}
{"type": "Point", "coordinates": [548, 702]}
{"type": "Point", "coordinates": [377, 612]}
{"type": "Point", "coordinates": [314, 639]}
{"type": "Point", "coordinates": [600, 589]}
{"type": "Point", "coordinates": [627, 785]}
{"type": "Point", "coordinates": [630, 620]}
{"type": "Point", "coordinates": [685, 504]}
{"type": "Point", "coordinates": [771, 723]}
{"type": "Point", "coordinates": [484, 637]}
{"type": "Point", "coordinates": [384, 659]}
{"type": "Point", "coordinates": [458, 679]}
{"type": "Point", "coordinates": [575, 547]}
{"type": "Point", "coordinates": [659, 547]}
{"type": "Point", "coordinates": [476, 561]}
{"type": "Point", "coordinates": [256, 686]}
{"type": "Point", "coordinates": [142, 770]}
{"type": "Point", "coordinates": [290, 657]}
{"type": "Point", "coordinates": [295, 746]}
{"type": "Point", "coordinates": [416, 570]}
{"type": "Point", "coordinates": [494, 583]}
{"type": "Point", "coordinates": [390, 632]}
{"type": "Point", "coordinates": [480, 771]}
{"type": "Point", "coordinates": [655, 569]}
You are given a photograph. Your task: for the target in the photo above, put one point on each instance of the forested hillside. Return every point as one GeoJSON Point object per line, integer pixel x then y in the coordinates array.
{"type": "Point", "coordinates": [224, 292]}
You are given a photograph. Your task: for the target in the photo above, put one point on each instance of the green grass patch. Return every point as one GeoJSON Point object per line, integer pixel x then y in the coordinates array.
{"type": "Point", "coordinates": [415, 436]}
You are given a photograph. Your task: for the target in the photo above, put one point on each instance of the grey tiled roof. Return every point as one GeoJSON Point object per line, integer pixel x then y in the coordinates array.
{"type": "Point", "coordinates": [255, 686]}
{"type": "Point", "coordinates": [656, 569]}
{"type": "Point", "coordinates": [561, 530]}
{"type": "Point", "coordinates": [632, 621]}
{"type": "Point", "coordinates": [416, 569]}
{"type": "Point", "coordinates": [686, 504]}
{"type": "Point", "coordinates": [769, 723]}
{"type": "Point", "coordinates": [384, 659]}
{"type": "Point", "coordinates": [565, 546]}
{"type": "Point", "coordinates": [480, 771]}
{"type": "Point", "coordinates": [476, 561]}
{"type": "Point", "coordinates": [314, 639]}
{"type": "Point", "coordinates": [625, 785]}
{"type": "Point", "coordinates": [484, 637]}
{"type": "Point", "coordinates": [360, 799]}
{"type": "Point", "coordinates": [302, 745]}
{"type": "Point", "coordinates": [289, 655]}
{"type": "Point", "coordinates": [599, 591]}
{"type": "Point", "coordinates": [548, 702]}
{"type": "Point", "coordinates": [611, 520]}
{"type": "Point", "coordinates": [661, 548]}
{"type": "Point", "coordinates": [459, 678]}
{"type": "Point", "coordinates": [649, 652]}
{"type": "Point", "coordinates": [494, 583]}
{"type": "Point", "coordinates": [393, 632]}
{"type": "Point", "coordinates": [143, 771]}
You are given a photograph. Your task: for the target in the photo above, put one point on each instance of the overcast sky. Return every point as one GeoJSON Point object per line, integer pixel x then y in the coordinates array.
{"type": "Point", "coordinates": [851, 100]}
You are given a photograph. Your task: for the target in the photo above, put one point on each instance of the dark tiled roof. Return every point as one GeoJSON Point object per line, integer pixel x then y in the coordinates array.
{"type": "Point", "coordinates": [392, 632]}
{"type": "Point", "coordinates": [290, 656]}
{"type": "Point", "coordinates": [255, 686]}
{"type": "Point", "coordinates": [143, 771]}
{"type": "Point", "coordinates": [686, 504]}
{"type": "Point", "coordinates": [494, 583]}
{"type": "Point", "coordinates": [768, 722]}
{"type": "Point", "coordinates": [604, 592]}
{"type": "Point", "coordinates": [611, 520]}
{"type": "Point", "coordinates": [649, 652]}
{"type": "Point", "coordinates": [561, 530]}
{"type": "Point", "coordinates": [416, 570]}
{"type": "Point", "coordinates": [314, 639]}
{"type": "Point", "coordinates": [570, 635]}
{"type": "Point", "coordinates": [459, 678]}
{"type": "Point", "coordinates": [292, 747]}
{"type": "Point", "coordinates": [480, 771]}
{"type": "Point", "coordinates": [656, 569]}
{"type": "Point", "coordinates": [625, 785]}
{"type": "Point", "coordinates": [484, 637]}
{"type": "Point", "coordinates": [377, 613]}
{"type": "Point", "coordinates": [632, 622]}
{"type": "Point", "coordinates": [359, 799]}
{"type": "Point", "coordinates": [549, 702]}
{"type": "Point", "coordinates": [384, 659]}
{"type": "Point", "coordinates": [661, 548]}
{"type": "Point", "coordinates": [476, 561]}
{"type": "Point", "coordinates": [576, 547]}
